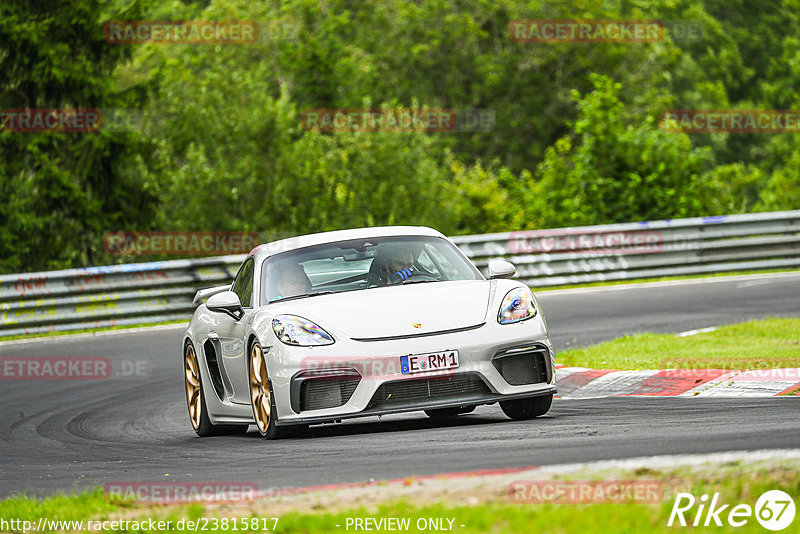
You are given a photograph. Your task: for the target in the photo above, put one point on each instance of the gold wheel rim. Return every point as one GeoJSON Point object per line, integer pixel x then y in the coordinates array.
{"type": "Point", "coordinates": [259, 389]}
{"type": "Point", "coordinates": [192, 376]}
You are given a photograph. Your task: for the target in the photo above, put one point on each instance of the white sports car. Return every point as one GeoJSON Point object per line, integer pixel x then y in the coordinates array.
{"type": "Point", "coordinates": [354, 323]}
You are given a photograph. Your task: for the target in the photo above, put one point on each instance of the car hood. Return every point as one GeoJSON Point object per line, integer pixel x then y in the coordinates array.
{"type": "Point", "coordinates": [396, 310]}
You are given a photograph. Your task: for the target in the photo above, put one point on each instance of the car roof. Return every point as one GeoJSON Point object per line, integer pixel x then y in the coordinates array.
{"type": "Point", "coordinates": [292, 243]}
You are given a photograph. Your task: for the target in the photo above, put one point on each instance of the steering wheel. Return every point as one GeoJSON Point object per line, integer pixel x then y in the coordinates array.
{"type": "Point", "coordinates": [402, 275]}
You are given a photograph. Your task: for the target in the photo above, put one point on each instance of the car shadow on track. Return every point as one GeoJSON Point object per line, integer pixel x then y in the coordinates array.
{"type": "Point", "coordinates": [406, 424]}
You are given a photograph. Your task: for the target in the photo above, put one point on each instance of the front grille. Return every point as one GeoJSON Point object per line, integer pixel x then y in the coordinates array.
{"type": "Point", "coordinates": [328, 392]}
{"type": "Point", "coordinates": [527, 365]}
{"type": "Point", "coordinates": [424, 389]}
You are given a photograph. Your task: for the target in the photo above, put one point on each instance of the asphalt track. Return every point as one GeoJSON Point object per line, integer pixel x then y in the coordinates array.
{"type": "Point", "coordinates": [64, 435]}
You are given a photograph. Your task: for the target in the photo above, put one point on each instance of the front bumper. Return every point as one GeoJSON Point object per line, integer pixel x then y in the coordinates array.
{"type": "Point", "coordinates": [472, 400]}
{"type": "Point", "coordinates": [369, 365]}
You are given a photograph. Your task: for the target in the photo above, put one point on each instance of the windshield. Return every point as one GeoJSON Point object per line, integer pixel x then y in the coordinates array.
{"type": "Point", "coordinates": [363, 264]}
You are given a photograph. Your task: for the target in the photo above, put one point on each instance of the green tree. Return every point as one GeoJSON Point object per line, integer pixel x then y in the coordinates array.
{"type": "Point", "coordinates": [61, 191]}
{"type": "Point", "coordinates": [614, 167]}
{"type": "Point", "coordinates": [782, 190]}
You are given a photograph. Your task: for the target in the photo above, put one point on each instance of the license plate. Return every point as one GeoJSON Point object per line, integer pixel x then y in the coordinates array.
{"type": "Point", "coordinates": [432, 361]}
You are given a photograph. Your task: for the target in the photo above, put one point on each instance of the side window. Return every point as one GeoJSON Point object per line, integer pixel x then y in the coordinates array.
{"type": "Point", "coordinates": [449, 271]}
{"type": "Point", "coordinates": [426, 263]}
{"type": "Point", "coordinates": [243, 285]}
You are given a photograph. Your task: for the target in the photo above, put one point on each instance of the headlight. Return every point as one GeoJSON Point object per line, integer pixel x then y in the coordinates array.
{"type": "Point", "coordinates": [517, 306]}
{"type": "Point", "coordinates": [294, 330]}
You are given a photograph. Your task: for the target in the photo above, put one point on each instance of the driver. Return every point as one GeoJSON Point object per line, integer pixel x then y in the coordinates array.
{"type": "Point", "coordinates": [292, 280]}
{"type": "Point", "coordinates": [398, 266]}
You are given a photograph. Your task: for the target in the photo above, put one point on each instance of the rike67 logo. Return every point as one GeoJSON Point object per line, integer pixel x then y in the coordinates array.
{"type": "Point", "coordinates": [774, 510]}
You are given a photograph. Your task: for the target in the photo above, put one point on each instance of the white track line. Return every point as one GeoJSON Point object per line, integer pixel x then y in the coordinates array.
{"type": "Point", "coordinates": [668, 283]}
{"type": "Point", "coordinates": [71, 337]}
{"type": "Point", "coordinates": [675, 460]}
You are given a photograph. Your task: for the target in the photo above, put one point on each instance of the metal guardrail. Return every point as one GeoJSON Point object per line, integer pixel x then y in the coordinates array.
{"type": "Point", "coordinates": [95, 297]}
{"type": "Point", "coordinates": [701, 245]}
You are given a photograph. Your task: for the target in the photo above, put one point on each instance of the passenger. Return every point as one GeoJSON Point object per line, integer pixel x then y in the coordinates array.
{"type": "Point", "coordinates": [292, 280]}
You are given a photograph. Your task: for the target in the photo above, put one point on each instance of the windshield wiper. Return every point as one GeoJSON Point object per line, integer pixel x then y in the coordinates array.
{"type": "Point", "coordinates": [302, 296]}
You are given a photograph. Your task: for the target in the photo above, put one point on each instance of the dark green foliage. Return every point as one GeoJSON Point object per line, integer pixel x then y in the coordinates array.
{"type": "Point", "coordinates": [60, 191]}
{"type": "Point", "coordinates": [617, 168]}
{"type": "Point", "coordinates": [576, 139]}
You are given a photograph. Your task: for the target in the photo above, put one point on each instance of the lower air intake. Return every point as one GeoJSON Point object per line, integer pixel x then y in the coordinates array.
{"type": "Point", "coordinates": [427, 389]}
{"type": "Point", "coordinates": [329, 392]}
{"type": "Point", "coordinates": [521, 366]}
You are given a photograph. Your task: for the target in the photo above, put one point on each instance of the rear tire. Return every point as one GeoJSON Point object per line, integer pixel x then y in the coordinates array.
{"type": "Point", "coordinates": [524, 409]}
{"type": "Point", "coordinates": [196, 401]}
{"type": "Point", "coordinates": [443, 413]}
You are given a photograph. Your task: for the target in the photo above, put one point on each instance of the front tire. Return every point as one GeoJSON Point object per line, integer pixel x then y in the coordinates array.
{"type": "Point", "coordinates": [524, 409]}
{"type": "Point", "coordinates": [262, 399]}
{"type": "Point", "coordinates": [196, 402]}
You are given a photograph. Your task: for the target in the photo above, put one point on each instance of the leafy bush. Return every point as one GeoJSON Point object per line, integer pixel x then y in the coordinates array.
{"type": "Point", "coordinates": [614, 167]}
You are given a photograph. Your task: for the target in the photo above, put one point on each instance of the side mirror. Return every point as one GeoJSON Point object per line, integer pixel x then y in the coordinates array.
{"type": "Point", "coordinates": [501, 269]}
{"type": "Point", "coordinates": [226, 302]}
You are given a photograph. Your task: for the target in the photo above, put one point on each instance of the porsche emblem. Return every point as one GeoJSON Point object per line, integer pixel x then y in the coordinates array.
{"type": "Point", "coordinates": [417, 325]}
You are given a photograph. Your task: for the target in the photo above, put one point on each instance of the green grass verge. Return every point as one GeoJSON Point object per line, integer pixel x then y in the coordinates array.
{"type": "Point", "coordinates": [90, 330]}
{"type": "Point", "coordinates": [497, 513]}
{"type": "Point", "coordinates": [762, 344]}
